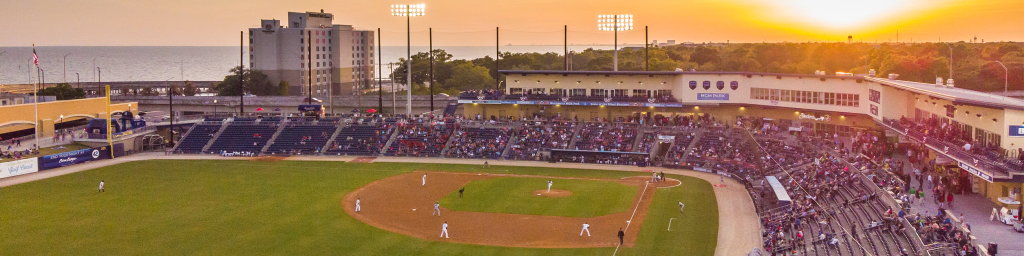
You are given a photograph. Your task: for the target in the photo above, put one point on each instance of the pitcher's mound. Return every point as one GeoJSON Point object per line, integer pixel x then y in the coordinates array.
{"type": "Point", "coordinates": [553, 193]}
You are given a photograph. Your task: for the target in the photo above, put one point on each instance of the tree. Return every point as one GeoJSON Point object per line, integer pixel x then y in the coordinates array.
{"type": "Point", "coordinates": [190, 88]}
{"type": "Point", "coordinates": [256, 83]}
{"type": "Point", "coordinates": [704, 55]}
{"type": "Point", "coordinates": [468, 76]}
{"type": "Point", "coordinates": [63, 91]}
{"type": "Point", "coordinates": [282, 88]}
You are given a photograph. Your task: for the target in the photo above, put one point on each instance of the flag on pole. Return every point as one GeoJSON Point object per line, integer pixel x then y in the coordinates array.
{"type": "Point", "coordinates": [35, 57]}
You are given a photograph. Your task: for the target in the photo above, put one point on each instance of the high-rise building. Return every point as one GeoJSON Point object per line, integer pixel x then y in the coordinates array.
{"type": "Point", "coordinates": [336, 59]}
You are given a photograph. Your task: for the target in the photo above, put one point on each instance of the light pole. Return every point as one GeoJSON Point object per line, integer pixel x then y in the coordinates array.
{"type": "Point", "coordinates": [214, 107]}
{"type": "Point", "coordinates": [1006, 77]}
{"type": "Point", "coordinates": [617, 22]}
{"type": "Point", "coordinates": [66, 67]}
{"type": "Point", "coordinates": [408, 11]}
{"type": "Point", "coordinates": [170, 102]}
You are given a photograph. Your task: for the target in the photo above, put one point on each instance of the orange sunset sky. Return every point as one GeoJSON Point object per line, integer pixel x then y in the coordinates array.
{"type": "Point", "coordinates": [523, 22]}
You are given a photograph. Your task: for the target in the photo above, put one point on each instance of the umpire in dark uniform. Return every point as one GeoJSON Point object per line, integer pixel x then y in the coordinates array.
{"type": "Point", "coordinates": [621, 235]}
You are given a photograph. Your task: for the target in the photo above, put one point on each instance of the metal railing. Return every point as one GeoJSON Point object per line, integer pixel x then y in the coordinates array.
{"type": "Point", "coordinates": [952, 150]}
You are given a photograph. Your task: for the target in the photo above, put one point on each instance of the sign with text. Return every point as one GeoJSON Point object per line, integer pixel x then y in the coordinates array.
{"type": "Point", "coordinates": [712, 96]}
{"type": "Point", "coordinates": [73, 157]}
{"type": "Point", "coordinates": [1016, 131]}
{"type": "Point", "coordinates": [975, 171]}
{"type": "Point", "coordinates": [575, 103]}
{"type": "Point", "coordinates": [20, 167]}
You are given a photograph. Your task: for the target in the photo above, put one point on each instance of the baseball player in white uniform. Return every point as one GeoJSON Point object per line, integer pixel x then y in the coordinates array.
{"type": "Point", "coordinates": [681, 206]}
{"type": "Point", "coordinates": [101, 186]}
{"type": "Point", "coordinates": [436, 209]}
{"type": "Point", "coordinates": [424, 180]}
{"type": "Point", "coordinates": [549, 186]}
{"type": "Point", "coordinates": [585, 229]}
{"type": "Point", "coordinates": [444, 230]}
{"type": "Point", "coordinates": [357, 205]}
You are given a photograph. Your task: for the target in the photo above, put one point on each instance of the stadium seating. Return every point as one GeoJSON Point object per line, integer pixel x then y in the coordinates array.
{"type": "Point", "coordinates": [195, 140]}
{"type": "Point", "coordinates": [243, 136]}
{"type": "Point", "coordinates": [607, 137]}
{"type": "Point", "coordinates": [421, 139]}
{"type": "Point", "coordinates": [361, 139]}
{"type": "Point", "coordinates": [479, 143]}
{"type": "Point", "coordinates": [302, 138]}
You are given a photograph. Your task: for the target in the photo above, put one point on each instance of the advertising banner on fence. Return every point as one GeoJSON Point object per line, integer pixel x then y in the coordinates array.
{"type": "Point", "coordinates": [20, 167]}
{"type": "Point", "coordinates": [73, 157]}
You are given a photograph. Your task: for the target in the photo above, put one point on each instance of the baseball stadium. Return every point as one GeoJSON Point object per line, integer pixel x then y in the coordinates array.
{"type": "Point", "coordinates": [555, 163]}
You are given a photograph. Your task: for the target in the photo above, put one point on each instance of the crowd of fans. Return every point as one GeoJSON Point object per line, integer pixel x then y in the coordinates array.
{"type": "Point", "coordinates": [422, 138]}
{"type": "Point", "coordinates": [479, 143]}
{"type": "Point", "coordinates": [535, 137]}
{"type": "Point", "coordinates": [606, 137]}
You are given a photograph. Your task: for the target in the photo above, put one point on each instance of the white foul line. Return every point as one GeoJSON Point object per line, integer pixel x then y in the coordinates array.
{"type": "Point", "coordinates": [670, 224]}
{"type": "Point", "coordinates": [630, 221]}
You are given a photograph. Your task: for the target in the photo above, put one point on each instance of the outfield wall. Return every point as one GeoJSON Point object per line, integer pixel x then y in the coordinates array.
{"type": "Point", "coordinates": [19, 167]}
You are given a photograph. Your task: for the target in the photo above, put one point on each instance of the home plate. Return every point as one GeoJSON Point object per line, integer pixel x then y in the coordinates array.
{"type": "Point", "coordinates": [414, 210]}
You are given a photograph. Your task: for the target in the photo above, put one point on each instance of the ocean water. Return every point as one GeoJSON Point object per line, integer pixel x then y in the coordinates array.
{"type": "Point", "coordinates": [200, 63]}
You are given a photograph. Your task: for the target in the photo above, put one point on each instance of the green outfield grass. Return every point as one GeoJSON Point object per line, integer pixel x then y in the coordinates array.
{"type": "Point", "coordinates": [237, 207]}
{"type": "Point", "coordinates": [514, 195]}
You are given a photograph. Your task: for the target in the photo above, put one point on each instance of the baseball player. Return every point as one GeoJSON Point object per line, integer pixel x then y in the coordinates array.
{"type": "Point", "coordinates": [585, 229]}
{"type": "Point", "coordinates": [621, 235]}
{"type": "Point", "coordinates": [444, 230]}
{"type": "Point", "coordinates": [101, 186]}
{"type": "Point", "coordinates": [436, 209]}
{"type": "Point", "coordinates": [424, 179]}
{"type": "Point", "coordinates": [463, 189]}
{"type": "Point", "coordinates": [654, 177]}
{"type": "Point", "coordinates": [681, 206]}
{"type": "Point", "coordinates": [357, 205]}
{"type": "Point", "coordinates": [549, 186]}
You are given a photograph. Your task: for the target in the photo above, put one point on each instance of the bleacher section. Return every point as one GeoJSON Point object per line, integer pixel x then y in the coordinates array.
{"type": "Point", "coordinates": [533, 138]}
{"type": "Point", "coordinates": [195, 140]}
{"type": "Point", "coordinates": [426, 139]}
{"type": "Point", "coordinates": [244, 136]}
{"type": "Point", "coordinates": [479, 143]}
{"type": "Point", "coordinates": [361, 139]}
{"type": "Point", "coordinates": [607, 137]}
{"type": "Point", "coordinates": [302, 138]}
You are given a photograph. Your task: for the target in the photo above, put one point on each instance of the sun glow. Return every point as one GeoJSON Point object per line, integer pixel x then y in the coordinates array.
{"type": "Point", "coordinates": [840, 13]}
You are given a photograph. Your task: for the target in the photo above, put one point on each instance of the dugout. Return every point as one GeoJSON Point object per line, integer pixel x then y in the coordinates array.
{"type": "Point", "coordinates": [612, 157]}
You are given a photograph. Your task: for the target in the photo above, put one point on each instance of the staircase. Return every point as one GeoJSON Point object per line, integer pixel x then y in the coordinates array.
{"type": "Point", "coordinates": [448, 144]}
{"type": "Point", "coordinates": [639, 139]}
{"type": "Point", "coordinates": [696, 138]}
{"type": "Point", "coordinates": [223, 126]}
{"type": "Point", "coordinates": [280, 127]}
{"type": "Point", "coordinates": [394, 136]}
{"type": "Point", "coordinates": [333, 136]}
{"type": "Point", "coordinates": [575, 135]}
{"type": "Point", "coordinates": [176, 144]}
{"type": "Point", "coordinates": [508, 146]}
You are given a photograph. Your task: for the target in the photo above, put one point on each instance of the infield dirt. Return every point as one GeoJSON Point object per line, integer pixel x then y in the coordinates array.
{"type": "Point", "coordinates": [389, 204]}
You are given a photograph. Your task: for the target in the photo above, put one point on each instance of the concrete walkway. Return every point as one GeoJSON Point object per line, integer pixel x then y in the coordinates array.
{"type": "Point", "coordinates": [976, 210]}
{"type": "Point", "coordinates": [738, 224]}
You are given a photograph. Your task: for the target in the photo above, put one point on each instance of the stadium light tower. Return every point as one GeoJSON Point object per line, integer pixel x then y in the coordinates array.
{"type": "Point", "coordinates": [617, 22]}
{"type": "Point", "coordinates": [408, 11]}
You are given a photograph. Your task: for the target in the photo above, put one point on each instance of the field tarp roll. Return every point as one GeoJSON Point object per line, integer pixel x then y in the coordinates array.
{"type": "Point", "coordinates": [20, 167]}
{"type": "Point", "coordinates": [73, 157]}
